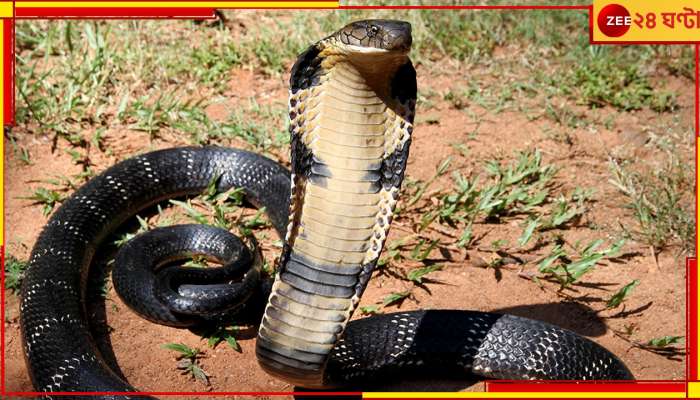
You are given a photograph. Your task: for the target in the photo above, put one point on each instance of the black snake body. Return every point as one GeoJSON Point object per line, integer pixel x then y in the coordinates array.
{"type": "Point", "coordinates": [331, 247]}
{"type": "Point", "coordinates": [58, 346]}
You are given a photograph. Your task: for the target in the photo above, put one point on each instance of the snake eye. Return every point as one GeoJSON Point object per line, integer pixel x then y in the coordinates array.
{"type": "Point", "coordinates": [373, 30]}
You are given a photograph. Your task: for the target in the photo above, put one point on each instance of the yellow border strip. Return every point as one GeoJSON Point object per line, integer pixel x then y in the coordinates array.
{"type": "Point", "coordinates": [6, 9]}
{"type": "Point", "coordinates": [159, 4]}
{"type": "Point", "coordinates": [526, 395]}
{"type": "Point", "coordinates": [693, 389]}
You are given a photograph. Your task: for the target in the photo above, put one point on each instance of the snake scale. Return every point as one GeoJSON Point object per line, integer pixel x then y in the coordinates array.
{"type": "Point", "coordinates": [351, 105]}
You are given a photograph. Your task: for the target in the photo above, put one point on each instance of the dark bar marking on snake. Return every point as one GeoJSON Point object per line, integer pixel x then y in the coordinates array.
{"type": "Point", "coordinates": [345, 270]}
{"type": "Point", "coordinates": [393, 167]}
{"type": "Point", "coordinates": [305, 69]}
{"type": "Point", "coordinates": [320, 276]}
{"type": "Point", "coordinates": [298, 355]}
{"type": "Point", "coordinates": [314, 287]}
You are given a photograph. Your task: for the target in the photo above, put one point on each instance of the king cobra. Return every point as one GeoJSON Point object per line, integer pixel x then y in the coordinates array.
{"type": "Point", "coordinates": [351, 111]}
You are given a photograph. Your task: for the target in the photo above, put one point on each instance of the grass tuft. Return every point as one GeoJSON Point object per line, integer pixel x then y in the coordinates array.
{"type": "Point", "coordinates": [188, 361]}
{"type": "Point", "coordinates": [14, 273]}
{"type": "Point", "coordinates": [664, 216]}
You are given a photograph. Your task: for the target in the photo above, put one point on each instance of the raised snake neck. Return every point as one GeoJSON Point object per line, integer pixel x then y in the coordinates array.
{"type": "Point", "coordinates": [351, 119]}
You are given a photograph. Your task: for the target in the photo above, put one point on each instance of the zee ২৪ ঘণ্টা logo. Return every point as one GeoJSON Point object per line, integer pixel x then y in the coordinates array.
{"type": "Point", "coordinates": [636, 21]}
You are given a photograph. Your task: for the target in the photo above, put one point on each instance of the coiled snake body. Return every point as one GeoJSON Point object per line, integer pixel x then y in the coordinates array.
{"type": "Point", "coordinates": [351, 118]}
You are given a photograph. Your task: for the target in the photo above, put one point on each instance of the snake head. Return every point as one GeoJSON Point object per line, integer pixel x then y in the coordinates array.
{"type": "Point", "coordinates": [376, 35]}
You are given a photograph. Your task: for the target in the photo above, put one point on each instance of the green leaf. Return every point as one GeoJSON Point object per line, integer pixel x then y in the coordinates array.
{"type": "Point", "coordinates": [416, 275]}
{"type": "Point", "coordinates": [191, 212]}
{"type": "Point", "coordinates": [183, 349]}
{"type": "Point", "coordinates": [463, 149]}
{"type": "Point", "coordinates": [49, 199]}
{"type": "Point", "coordinates": [67, 36]}
{"type": "Point", "coordinates": [621, 294]}
{"type": "Point", "coordinates": [568, 273]}
{"type": "Point", "coordinates": [535, 199]}
{"type": "Point", "coordinates": [223, 333]}
{"type": "Point", "coordinates": [211, 190]}
{"type": "Point", "coordinates": [235, 196]}
{"type": "Point", "coordinates": [398, 243]}
{"type": "Point", "coordinates": [493, 167]}
{"type": "Point", "coordinates": [420, 253]}
{"type": "Point", "coordinates": [175, 346]}
{"type": "Point", "coordinates": [123, 103]}
{"type": "Point", "coordinates": [562, 213]}
{"type": "Point", "coordinates": [578, 268]}
{"type": "Point", "coordinates": [487, 202]}
{"type": "Point", "coordinates": [615, 248]}
{"type": "Point", "coordinates": [233, 343]}
{"type": "Point", "coordinates": [664, 341]}
{"type": "Point", "coordinates": [74, 155]}
{"type": "Point", "coordinates": [427, 219]}
{"type": "Point", "coordinates": [591, 247]}
{"type": "Point", "coordinates": [246, 226]}
{"type": "Point", "coordinates": [199, 374]}
{"type": "Point", "coordinates": [142, 223]}
{"type": "Point", "coordinates": [213, 340]}
{"type": "Point", "coordinates": [499, 244]}
{"type": "Point", "coordinates": [97, 137]}
{"type": "Point", "coordinates": [90, 35]}
{"type": "Point", "coordinates": [545, 264]}
{"type": "Point", "coordinates": [395, 298]}
{"type": "Point", "coordinates": [370, 310]}
{"type": "Point", "coordinates": [466, 238]}
{"type": "Point", "coordinates": [14, 273]}
{"type": "Point", "coordinates": [440, 170]}
{"type": "Point", "coordinates": [529, 230]}
{"type": "Point", "coordinates": [444, 165]}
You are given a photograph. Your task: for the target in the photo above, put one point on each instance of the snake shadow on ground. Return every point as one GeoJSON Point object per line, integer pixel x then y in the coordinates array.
{"type": "Point", "coordinates": [574, 316]}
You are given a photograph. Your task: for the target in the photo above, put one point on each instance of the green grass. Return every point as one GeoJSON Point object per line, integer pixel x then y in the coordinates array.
{"type": "Point", "coordinates": [151, 75]}
{"type": "Point", "coordinates": [511, 189]}
{"type": "Point", "coordinates": [567, 268]}
{"type": "Point", "coordinates": [603, 81]}
{"type": "Point", "coordinates": [664, 341]}
{"type": "Point", "coordinates": [507, 190]}
{"type": "Point", "coordinates": [418, 274]}
{"type": "Point", "coordinates": [143, 227]}
{"type": "Point", "coordinates": [222, 209]}
{"type": "Point", "coordinates": [48, 199]}
{"type": "Point", "coordinates": [60, 98]}
{"type": "Point", "coordinates": [21, 153]}
{"type": "Point", "coordinates": [14, 273]}
{"type": "Point", "coordinates": [392, 299]}
{"type": "Point", "coordinates": [223, 334]}
{"type": "Point", "coordinates": [522, 189]}
{"type": "Point", "coordinates": [73, 75]}
{"type": "Point", "coordinates": [621, 295]}
{"type": "Point", "coordinates": [656, 198]}
{"type": "Point", "coordinates": [188, 361]}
